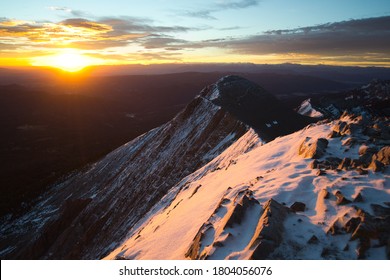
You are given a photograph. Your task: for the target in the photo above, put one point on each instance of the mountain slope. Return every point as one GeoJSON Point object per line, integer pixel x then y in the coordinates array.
{"type": "Point", "coordinates": [80, 217]}
{"type": "Point", "coordinates": [255, 107]}
{"type": "Point", "coordinates": [374, 97]}
{"type": "Point", "coordinates": [273, 201]}
{"type": "Point", "coordinates": [88, 213]}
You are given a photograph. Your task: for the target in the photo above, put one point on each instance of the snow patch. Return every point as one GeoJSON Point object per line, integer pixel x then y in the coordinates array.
{"type": "Point", "coordinates": [306, 109]}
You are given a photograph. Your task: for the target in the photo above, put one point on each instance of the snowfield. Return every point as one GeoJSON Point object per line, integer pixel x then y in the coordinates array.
{"type": "Point", "coordinates": [202, 204]}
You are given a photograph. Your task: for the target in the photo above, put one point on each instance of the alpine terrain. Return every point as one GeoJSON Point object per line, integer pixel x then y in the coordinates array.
{"type": "Point", "coordinates": [235, 175]}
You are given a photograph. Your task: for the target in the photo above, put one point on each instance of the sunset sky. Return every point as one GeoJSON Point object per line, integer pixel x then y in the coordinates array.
{"type": "Point", "coordinates": [73, 34]}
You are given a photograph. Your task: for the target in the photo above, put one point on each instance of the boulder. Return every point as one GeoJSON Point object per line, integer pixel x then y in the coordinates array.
{"type": "Point", "coordinates": [240, 209]}
{"type": "Point", "coordinates": [376, 166]}
{"type": "Point", "coordinates": [350, 129]}
{"type": "Point", "coordinates": [364, 149]}
{"type": "Point", "coordinates": [298, 207]}
{"type": "Point", "coordinates": [269, 231]}
{"type": "Point", "coordinates": [313, 240]}
{"type": "Point", "coordinates": [358, 198]}
{"type": "Point", "coordinates": [361, 171]}
{"type": "Point", "coordinates": [321, 172]}
{"type": "Point", "coordinates": [324, 194]}
{"type": "Point", "coordinates": [314, 164]}
{"type": "Point", "coordinates": [333, 134]}
{"type": "Point", "coordinates": [379, 210]}
{"type": "Point", "coordinates": [340, 199]}
{"type": "Point", "coordinates": [366, 159]}
{"type": "Point", "coordinates": [372, 132]}
{"type": "Point", "coordinates": [313, 148]}
{"type": "Point", "coordinates": [352, 224]}
{"type": "Point", "coordinates": [339, 127]}
{"type": "Point", "coordinates": [346, 164]}
{"type": "Point", "coordinates": [383, 155]}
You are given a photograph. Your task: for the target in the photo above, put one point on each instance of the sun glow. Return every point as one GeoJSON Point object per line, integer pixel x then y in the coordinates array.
{"type": "Point", "coordinates": [68, 60]}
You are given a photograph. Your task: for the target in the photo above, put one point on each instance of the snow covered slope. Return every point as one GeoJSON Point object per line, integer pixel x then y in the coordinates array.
{"type": "Point", "coordinates": [85, 215]}
{"type": "Point", "coordinates": [312, 194]}
{"type": "Point", "coordinates": [88, 213]}
{"type": "Point", "coordinates": [205, 185]}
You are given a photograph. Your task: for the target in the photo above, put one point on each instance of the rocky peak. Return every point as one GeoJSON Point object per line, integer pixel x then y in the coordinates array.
{"type": "Point", "coordinates": [254, 106]}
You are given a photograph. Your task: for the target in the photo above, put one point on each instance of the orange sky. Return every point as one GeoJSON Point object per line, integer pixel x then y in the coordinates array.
{"type": "Point", "coordinates": [222, 31]}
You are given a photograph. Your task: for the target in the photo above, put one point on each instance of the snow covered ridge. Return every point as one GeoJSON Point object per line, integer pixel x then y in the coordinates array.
{"type": "Point", "coordinates": [206, 186]}
{"type": "Point", "coordinates": [86, 215]}
{"type": "Point", "coordinates": [320, 193]}
{"type": "Point", "coordinates": [374, 98]}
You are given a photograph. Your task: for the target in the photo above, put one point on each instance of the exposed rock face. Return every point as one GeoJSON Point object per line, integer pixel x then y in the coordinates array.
{"type": "Point", "coordinates": [254, 106]}
{"type": "Point", "coordinates": [267, 235]}
{"type": "Point", "coordinates": [313, 148]}
{"type": "Point", "coordinates": [269, 231]}
{"type": "Point", "coordinates": [341, 200]}
{"type": "Point", "coordinates": [376, 166]}
{"type": "Point", "coordinates": [383, 155]}
{"type": "Point", "coordinates": [243, 204]}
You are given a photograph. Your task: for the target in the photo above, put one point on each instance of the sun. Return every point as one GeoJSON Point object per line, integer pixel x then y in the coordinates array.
{"type": "Point", "coordinates": [67, 60]}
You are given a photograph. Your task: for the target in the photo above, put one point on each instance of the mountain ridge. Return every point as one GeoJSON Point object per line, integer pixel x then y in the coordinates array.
{"type": "Point", "coordinates": [211, 163]}
{"type": "Point", "coordinates": [114, 193]}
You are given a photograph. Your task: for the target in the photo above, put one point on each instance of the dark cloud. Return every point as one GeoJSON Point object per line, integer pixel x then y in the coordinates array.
{"type": "Point", "coordinates": [139, 25]}
{"type": "Point", "coordinates": [378, 24]}
{"type": "Point", "coordinates": [347, 41]}
{"type": "Point", "coordinates": [339, 38]}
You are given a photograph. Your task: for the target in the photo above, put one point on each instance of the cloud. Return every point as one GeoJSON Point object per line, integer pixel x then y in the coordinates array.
{"type": "Point", "coordinates": [156, 41]}
{"type": "Point", "coordinates": [230, 28]}
{"type": "Point", "coordinates": [55, 8]}
{"type": "Point", "coordinates": [76, 13]}
{"type": "Point", "coordinates": [371, 35]}
{"type": "Point", "coordinates": [139, 25]}
{"type": "Point", "coordinates": [80, 32]}
{"type": "Point", "coordinates": [238, 4]}
{"type": "Point", "coordinates": [219, 6]}
{"type": "Point", "coordinates": [354, 41]}
{"type": "Point", "coordinates": [83, 23]}
{"type": "Point", "coordinates": [204, 14]}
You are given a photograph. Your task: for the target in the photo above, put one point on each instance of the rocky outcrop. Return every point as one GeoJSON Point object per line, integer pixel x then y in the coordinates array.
{"type": "Point", "coordinates": [383, 156]}
{"type": "Point", "coordinates": [310, 148]}
{"type": "Point", "coordinates": [298, 206]}
{"type": "Point", "coordinates": [239, 209]}
{"type": "Point", "coordinates": [269, 231]}
{"type": "Point", "coordinates": [267, 235]}
{"type": "Point", "coordinates": [365, 228]}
